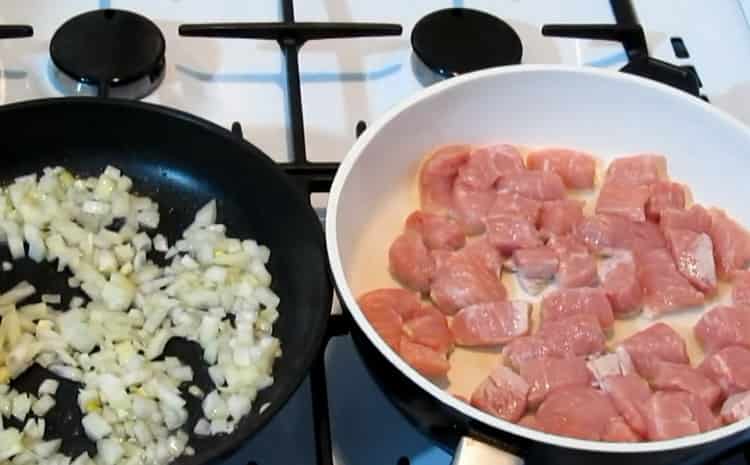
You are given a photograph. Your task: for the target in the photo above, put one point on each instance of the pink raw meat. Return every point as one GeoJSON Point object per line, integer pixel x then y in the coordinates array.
{"type": "Point", "coordinates": [694, 257]}
{"type": "Point", "coordinates": [578, 411]}
{"type": "Point", "coordinates": [430, 328]}
{"type": "Point", "coordinates": [488, 164]}
{"type": "Point", "coordinates": [729, 368]}
{"type": "Point", "coordinates": [605, 233]}
{"type": "Point", "coordinates": [509, 233]}
{"type": "Point", "coordinates": [695, 218]}
{"type": "Point", "coordinates": [564, 303]}
{"type": "Point", "coordinates": [381, 308]}
{"type": "Point", "coordinates": [502, 394]}
{"type": "Point", "coordinates": [424, 359]}
{"type": "Point", "coordinates": [438, 231]}
{"type": "Point", "coordinates": [664, 195]}
{"type": "Point", "coordinates": [623, 200]}
{"type": "Point", "coordinates": [529, 421]}
{"type": "Point", "coordinates": [566, 244]}
{"type": "Point", "coordinates": [731, 244]}
{"type": "Point", "coordinates": [577, 169]}
{"type": "Point", "coordinates": [491, 323]}
{"type": "Point", "coordinates": [510, 204]}
{"type": "Point", "coordinates": [537, 185]}
{"type": "Point", "coordinates": [437, 176]}
{"type": "Point", "coordinates": [410, 262]}
{"type": "Point", "coordinates": [741, 288]}
{"type": "Point", "coordinates": [657, 342]}
{"type": "Point", "coordinates": [736, 407]}
{"type": "Point", "coordinates": [547, 374]}
{"type": "Point", "coordinates": [629, 394]}
{"type": "Point", "coordinates": [637, 170]}
{"type": "Point", "coordinates": [481, 251]}
{"type": "Point", "coordinates": [723, 326]}
{"type": "Point", "coordinates": [470, 206]}
{"type": "Point", "coordinates": [405, 303]}
{"type": "Point", "coordinates": [462, 282]}
{"type": "Point", "coordinates": [673, 414]}
{"type": "Point", "coordinates": [611, 364]}
{"type": "Point", "coordinates": [620, 282]}
{"type": "Point", "coordinates": [618, 430]}
{"type": "Point", "coordinates": [535, 268]}
{"type": "Point", "coordinates": [577, 270]}
{"type": "Point", "coordinates": [526, 348]}
{"type": "Point", "coordinates": [560, 216]}
{"type": "Point", "coordinates": [665, 289]}
{"type": "Point", "coordinates": [577, 335]}
{"type": "Point", "coordinates": [670, 376]}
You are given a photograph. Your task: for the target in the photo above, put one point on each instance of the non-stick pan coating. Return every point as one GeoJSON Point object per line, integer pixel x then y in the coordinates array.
{"type": "Point", "coordinates": [182, 162]}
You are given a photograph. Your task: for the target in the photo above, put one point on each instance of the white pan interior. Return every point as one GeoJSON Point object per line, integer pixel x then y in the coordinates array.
{"type": "Point", "coordinates": [605, 113]}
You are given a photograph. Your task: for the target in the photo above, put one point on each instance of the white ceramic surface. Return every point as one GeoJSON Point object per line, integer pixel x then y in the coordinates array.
{"type": "Point", "coordinates": [606, 113]}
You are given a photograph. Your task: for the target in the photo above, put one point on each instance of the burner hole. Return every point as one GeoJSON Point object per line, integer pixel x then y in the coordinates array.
{"type": "Point", "coordinates": [360, 128]}
{"type": "Point", "coordinates": [109, 14]}
{"type": "Point", "coordinates": [403, 461]}
{"type": "Point", "coordinates": [678, 45]}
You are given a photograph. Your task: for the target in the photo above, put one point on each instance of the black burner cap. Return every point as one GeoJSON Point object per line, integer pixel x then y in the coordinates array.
{"type": "Point", "coordinates": [460, 40]}
{"type": "Point", "coordinates": [113, 47]}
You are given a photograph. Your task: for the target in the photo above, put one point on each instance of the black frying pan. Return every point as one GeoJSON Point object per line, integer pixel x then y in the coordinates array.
{"type": "Point", "coordinates": [181, 162]}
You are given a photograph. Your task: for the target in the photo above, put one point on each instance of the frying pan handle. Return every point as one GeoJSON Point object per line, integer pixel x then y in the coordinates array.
{"type": "Point", "coordinates": [473, 452]}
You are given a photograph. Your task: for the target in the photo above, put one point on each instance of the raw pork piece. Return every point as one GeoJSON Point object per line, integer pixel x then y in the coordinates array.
{"type": "Point", "coordinates": [623, 200]}
{"type": "Point", "coordinates": [670, 376]}
{"type": "Point", "coordinates": [577, 270]}
{"type": "Point", "coordinates": [657, 342]}
{"type": "Point", "coordinates": [559, 217]}
{"type": "Point", "coordinates": [461, 282]}
{"type": "Point", "coordinates": [665, 289]}
{"type": "Point", "coordinates": [488, 164]}
{"type": "Point", "coordinates": [430, 328]}
{"type": "Point", "coordinates": [424, 359]}
{"type": "Point", "coordinates": [612, 364]}
{"type": "Point", "coordinates": [383, 317]}
{"type": "Point", "coordinates": [437, 176]}
{"type": "Point", "coordinates": [604, 234]}
{"type": "Point", "coordinates": [618, 430]}
{"type": "Point", "coordinates": [485, 254]}
{"type": "Point", "coordinates": [741, 288]}
{"type": "Point", "coordinates": [510, 204]}
{"type": "Point", "coordinates": [620, 282]}
{"type": "Point", "coordinates": [578, 411]}
{"type": "Point", "coordinates": [736, 407]}
{"type": "Point", "coordinates": [577, 335]}
{"type": "Point", "coordinates": [695, 218]}
{"type": "Point", "coordinates": [629, 394]}
{"type": "Point", "coordinates": [577, 169]}
{"type": "Point", "coordinates": [723, 326]}
{"type": "Point", "coordinates": [526, 348]}
{"type": "Point", "coordinates": [564, 303]}
{"type": "Point", "coordinates": [535, 268]}
{"type": "Point", "coordinates": [502, 394]}
{"type": "Point", "coordinates": [491, 323]}
{"type": "Point", "coordinates": [437, 231]}
{"type": "Point", "coordinates": [547, 374]}
{"type": "Point", "coordinates": [470, 206]}
{"type": "Point", "coordinates": [529, 421]}
{"type": "Point", "coordinates": [664, 195]}
{"type": "Point", "coordinates": [693, 254]}
{"type": "Point", "coordinates": [405, 303]}
{"type": "Point", "coordinates": [672, 414]}
{"type": "Point", "coordinates": [565, 244]}
{"type": "Point", "coordinates": [537, 185]}
{"type": "Point", "coordinates": [410, 262]}
{"type": "Point", "coordinates": [729, 368]}
{"type": "Point", "coordinates": [731, 244]}
{"type": "Point", "coordinates": [637, 170]}
{"type": "Point", "coordinates": [509, 233]}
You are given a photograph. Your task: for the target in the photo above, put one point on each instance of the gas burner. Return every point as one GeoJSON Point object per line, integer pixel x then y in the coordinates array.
{"type": "Point", "coordinates": [108, 53]}
{"type": "Point", "coordinates": [456, 41]}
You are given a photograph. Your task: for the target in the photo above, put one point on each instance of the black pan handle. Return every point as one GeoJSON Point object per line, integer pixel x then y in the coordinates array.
{"type": "Point", "coordinates": [12, 31]}
{"type": "Point", "coordinates": [471, 451]}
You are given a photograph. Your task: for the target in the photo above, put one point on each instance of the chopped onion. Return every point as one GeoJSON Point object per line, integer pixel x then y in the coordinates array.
{"type": "Point", "coordinates": [95, 426]}
{"type": "Point", "coordinates": [43, 405]}
{"type": "Point", "coordinates": [48, 386]}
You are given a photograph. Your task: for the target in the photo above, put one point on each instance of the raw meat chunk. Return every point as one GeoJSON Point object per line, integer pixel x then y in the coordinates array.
{"type": "Point", "coordinates": [510, 204]}
{"type": "Point", "coordinates": [657, 342]}
{"type": "Point", "coordinates": [605, 233]}
{"type": "Point", "coordinates": [577, 270]}
{"type": "Point", "coordinates": [577, 335]}
{"type": "Point", "coordinates": [526, 348]}
{"type": "Point", "coordinates": [547, 374]}
{"type": "Point", "coordinates": [629, 394]}
{"type": "Point", "coordinates": [410, 262]}
{"type": "Point", "coordinates": [470, 206]}
{"type": "Point", "coordinates": [385, 320]}
{"type": "Point", "coordinates": [529, 421]}
{"type": "Point", "coordinates": [578, 411]}
{"type": "Point", "coordinates": [620, 282]}
{"type": "Point", "coordinates": [693, 254]}
{"type": "Point", "coordinates": [729, 368]}
{"type": "Point", "coordinates": [405, 303]}
{"type": "Point", "coordinates": [612, 364]}
{"type": "Point", "coordinates": [537, 185]}
{"type": "Point", "coordinates": [664, 195]}
{"type": "Point", "coordinates": [664, 288]}
{"type": "Point", "coordinates": [618, 430]}
{"type": "Point", "coordinates": [488, 164]}
{"type": "Point", "coordinates": [535, 268]}
{"type": "Point", "coordinates": [670, 376]}
{"type": "Point", "coordinates": [577, 169]}
{"type": "Point", "coordinates": [509, 233]}
{"type": "Point", "coordinates": [672, 414]}
{"type": "Point", "coordinates": [564, 303]}
{"type": "Point", "coordinates": [485, 254]}
{"type": "Point", "coordinates": [637, 170]}
{"type": "Point", "coordinates": [741, 288]}
{"type": "Point", "coordinates": [462, 282]}
{"type": "Point", "coordinates": [695, 218]}
{"type": "Point", "coordinates": [731, 244]}
{"type": "Point", "coordinates": [736, 407]}
{"type": "Point", "coordinates": [502, 394]}
{"type": "Point", "coordinates": [491, 323]}
{"type": "Point", "coordinates": [437, 176]}
{"type": "Point", "coordinates": [560, 216]}
{"type": "Point", "coordinates": [566, 244]}
{"type": "Point", "coordinates": [623, 200]}
{"type": "Point", "coordinates": [723, 326]}
{"type": "Point", "coordinates": [437, 231]}
{"type": "Point", "coordinates": [429, 328]}
{"type": "Point", "coordinates": [425, 360]}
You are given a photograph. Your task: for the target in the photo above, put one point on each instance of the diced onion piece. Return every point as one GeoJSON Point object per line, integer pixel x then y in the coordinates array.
{"type": "Point", "coordinates": [48, 386]}
{"type": "Point", "coordinates": [10, 443]}
{"type": "Point", "coordinates": [109, 451]}
{"type": "Point", "coordinates": [95, 426]}
{"type": "Point", "coordinates": [17, 293]}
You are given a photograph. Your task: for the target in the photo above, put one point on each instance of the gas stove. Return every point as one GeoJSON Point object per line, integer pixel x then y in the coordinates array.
{"type": "Point", "coordinates": [344, 84]}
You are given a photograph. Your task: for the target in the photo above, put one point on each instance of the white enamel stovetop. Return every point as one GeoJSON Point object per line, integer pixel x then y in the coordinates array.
{"type": "Point", "coordinates": [345, 81]}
